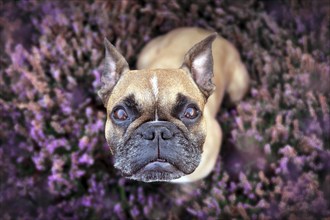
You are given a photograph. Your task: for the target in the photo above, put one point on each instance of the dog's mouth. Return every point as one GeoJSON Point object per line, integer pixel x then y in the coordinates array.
{"type": "Point", "coordinates": [157, 170]}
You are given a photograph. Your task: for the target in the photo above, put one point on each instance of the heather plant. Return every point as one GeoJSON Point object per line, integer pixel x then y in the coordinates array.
{"type": "Point", "coordinates": [54, 160]}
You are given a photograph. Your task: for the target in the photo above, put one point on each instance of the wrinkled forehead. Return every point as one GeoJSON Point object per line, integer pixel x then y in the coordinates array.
{"type": "Point", "coordinates": [159, 85]}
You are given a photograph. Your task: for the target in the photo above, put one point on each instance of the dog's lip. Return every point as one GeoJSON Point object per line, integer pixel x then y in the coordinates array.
{"type": "Point", "coordinates": [158, 165]}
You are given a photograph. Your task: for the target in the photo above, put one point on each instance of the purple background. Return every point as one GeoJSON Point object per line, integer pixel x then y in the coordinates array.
{"type": "Point", "coordinates": [54, 161]}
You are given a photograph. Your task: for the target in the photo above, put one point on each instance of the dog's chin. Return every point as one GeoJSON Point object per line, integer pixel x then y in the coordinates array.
{"type": "Point", "coordinates": [157, 172]}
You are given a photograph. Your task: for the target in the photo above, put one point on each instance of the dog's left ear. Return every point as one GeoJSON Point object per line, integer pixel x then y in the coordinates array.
{"type": "Point", "coordinates": [199, 62]}
{"type": "Point", "coordinates": [115, 66]}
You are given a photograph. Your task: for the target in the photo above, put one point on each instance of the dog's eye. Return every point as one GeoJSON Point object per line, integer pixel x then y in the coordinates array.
{"type": "Point", "coordinates": [191, 113]}
{"type": "Point", "coordinates": [120, 114]}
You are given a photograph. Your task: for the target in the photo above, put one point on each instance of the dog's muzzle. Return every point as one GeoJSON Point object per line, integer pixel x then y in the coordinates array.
{"type": "Point", "coordinates": [160, 146]}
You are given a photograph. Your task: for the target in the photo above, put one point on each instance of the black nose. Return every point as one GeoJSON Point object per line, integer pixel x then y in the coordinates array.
{"type": "Point", "coordinates": [157, 131]}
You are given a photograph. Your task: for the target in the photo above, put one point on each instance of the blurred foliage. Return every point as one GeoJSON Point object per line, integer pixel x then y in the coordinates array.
{"type": "Point", "coordinates": [54, 161]}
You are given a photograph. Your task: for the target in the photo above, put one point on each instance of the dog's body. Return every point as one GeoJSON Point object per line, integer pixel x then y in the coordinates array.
{"type": "Point", "coordinates": [173, 134]}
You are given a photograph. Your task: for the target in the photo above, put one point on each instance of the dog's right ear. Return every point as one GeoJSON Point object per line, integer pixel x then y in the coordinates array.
{"type": "Point", "coordinates": [115, 66]}
{"type": "Point", "coordinates": [199, 63]}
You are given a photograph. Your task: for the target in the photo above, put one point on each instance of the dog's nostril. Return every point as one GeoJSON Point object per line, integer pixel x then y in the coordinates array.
{"type": "Point", "coordinates": [149, 136]}
{"type": "Point", "coordinates": [166, 135]}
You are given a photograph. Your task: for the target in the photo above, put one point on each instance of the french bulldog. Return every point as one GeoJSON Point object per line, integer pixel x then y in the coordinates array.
{"type": "Point", "coordinates": [161, 122]}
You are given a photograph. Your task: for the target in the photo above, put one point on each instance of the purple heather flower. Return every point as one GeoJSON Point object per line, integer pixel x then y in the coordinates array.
{"type": "Point", "coordinates": [86, 159]}
{"type": "Point", "coordinates": [83, 142]}
{"type": "Point", "coordinates": [86, 201]}
{"type": "Point", "coordinates": [135, 212]}
{"type": "Point", "coordinates": [232, 186]}
{"type": "Point", "coordinates": [232, 198]}
{"type": "Point", "coordinates": [56, 143]}
{"type": "Point", "coordinates": [97, 79]}
{"type": "Point", "coordinates": [118, 209]}
{"type": "Point", "coordinates": [267, 149]}
{"type": "Point", "coordinates": [245, 183]}
{"type": "Point", "coordinates": [283, 168]}
{"type": "Point", "coordinates": [287, 151]}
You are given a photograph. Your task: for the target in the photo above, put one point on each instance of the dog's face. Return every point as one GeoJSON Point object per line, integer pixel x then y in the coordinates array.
{"type": "Point", "coordinates": [155, 125]}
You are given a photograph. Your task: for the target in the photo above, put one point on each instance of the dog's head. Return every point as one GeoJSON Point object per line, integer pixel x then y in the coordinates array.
{"type": "Point", "coordinates": [155, 125]}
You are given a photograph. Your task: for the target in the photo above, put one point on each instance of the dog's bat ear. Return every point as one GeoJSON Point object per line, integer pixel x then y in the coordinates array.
{"type": "Point", "coordinates": [115, 66]}
{"type": "Point", "coordinates": [199, 62]}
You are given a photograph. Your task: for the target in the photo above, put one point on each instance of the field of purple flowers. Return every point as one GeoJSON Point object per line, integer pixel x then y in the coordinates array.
{"type": "Point", "coordinates": [54, 161]}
